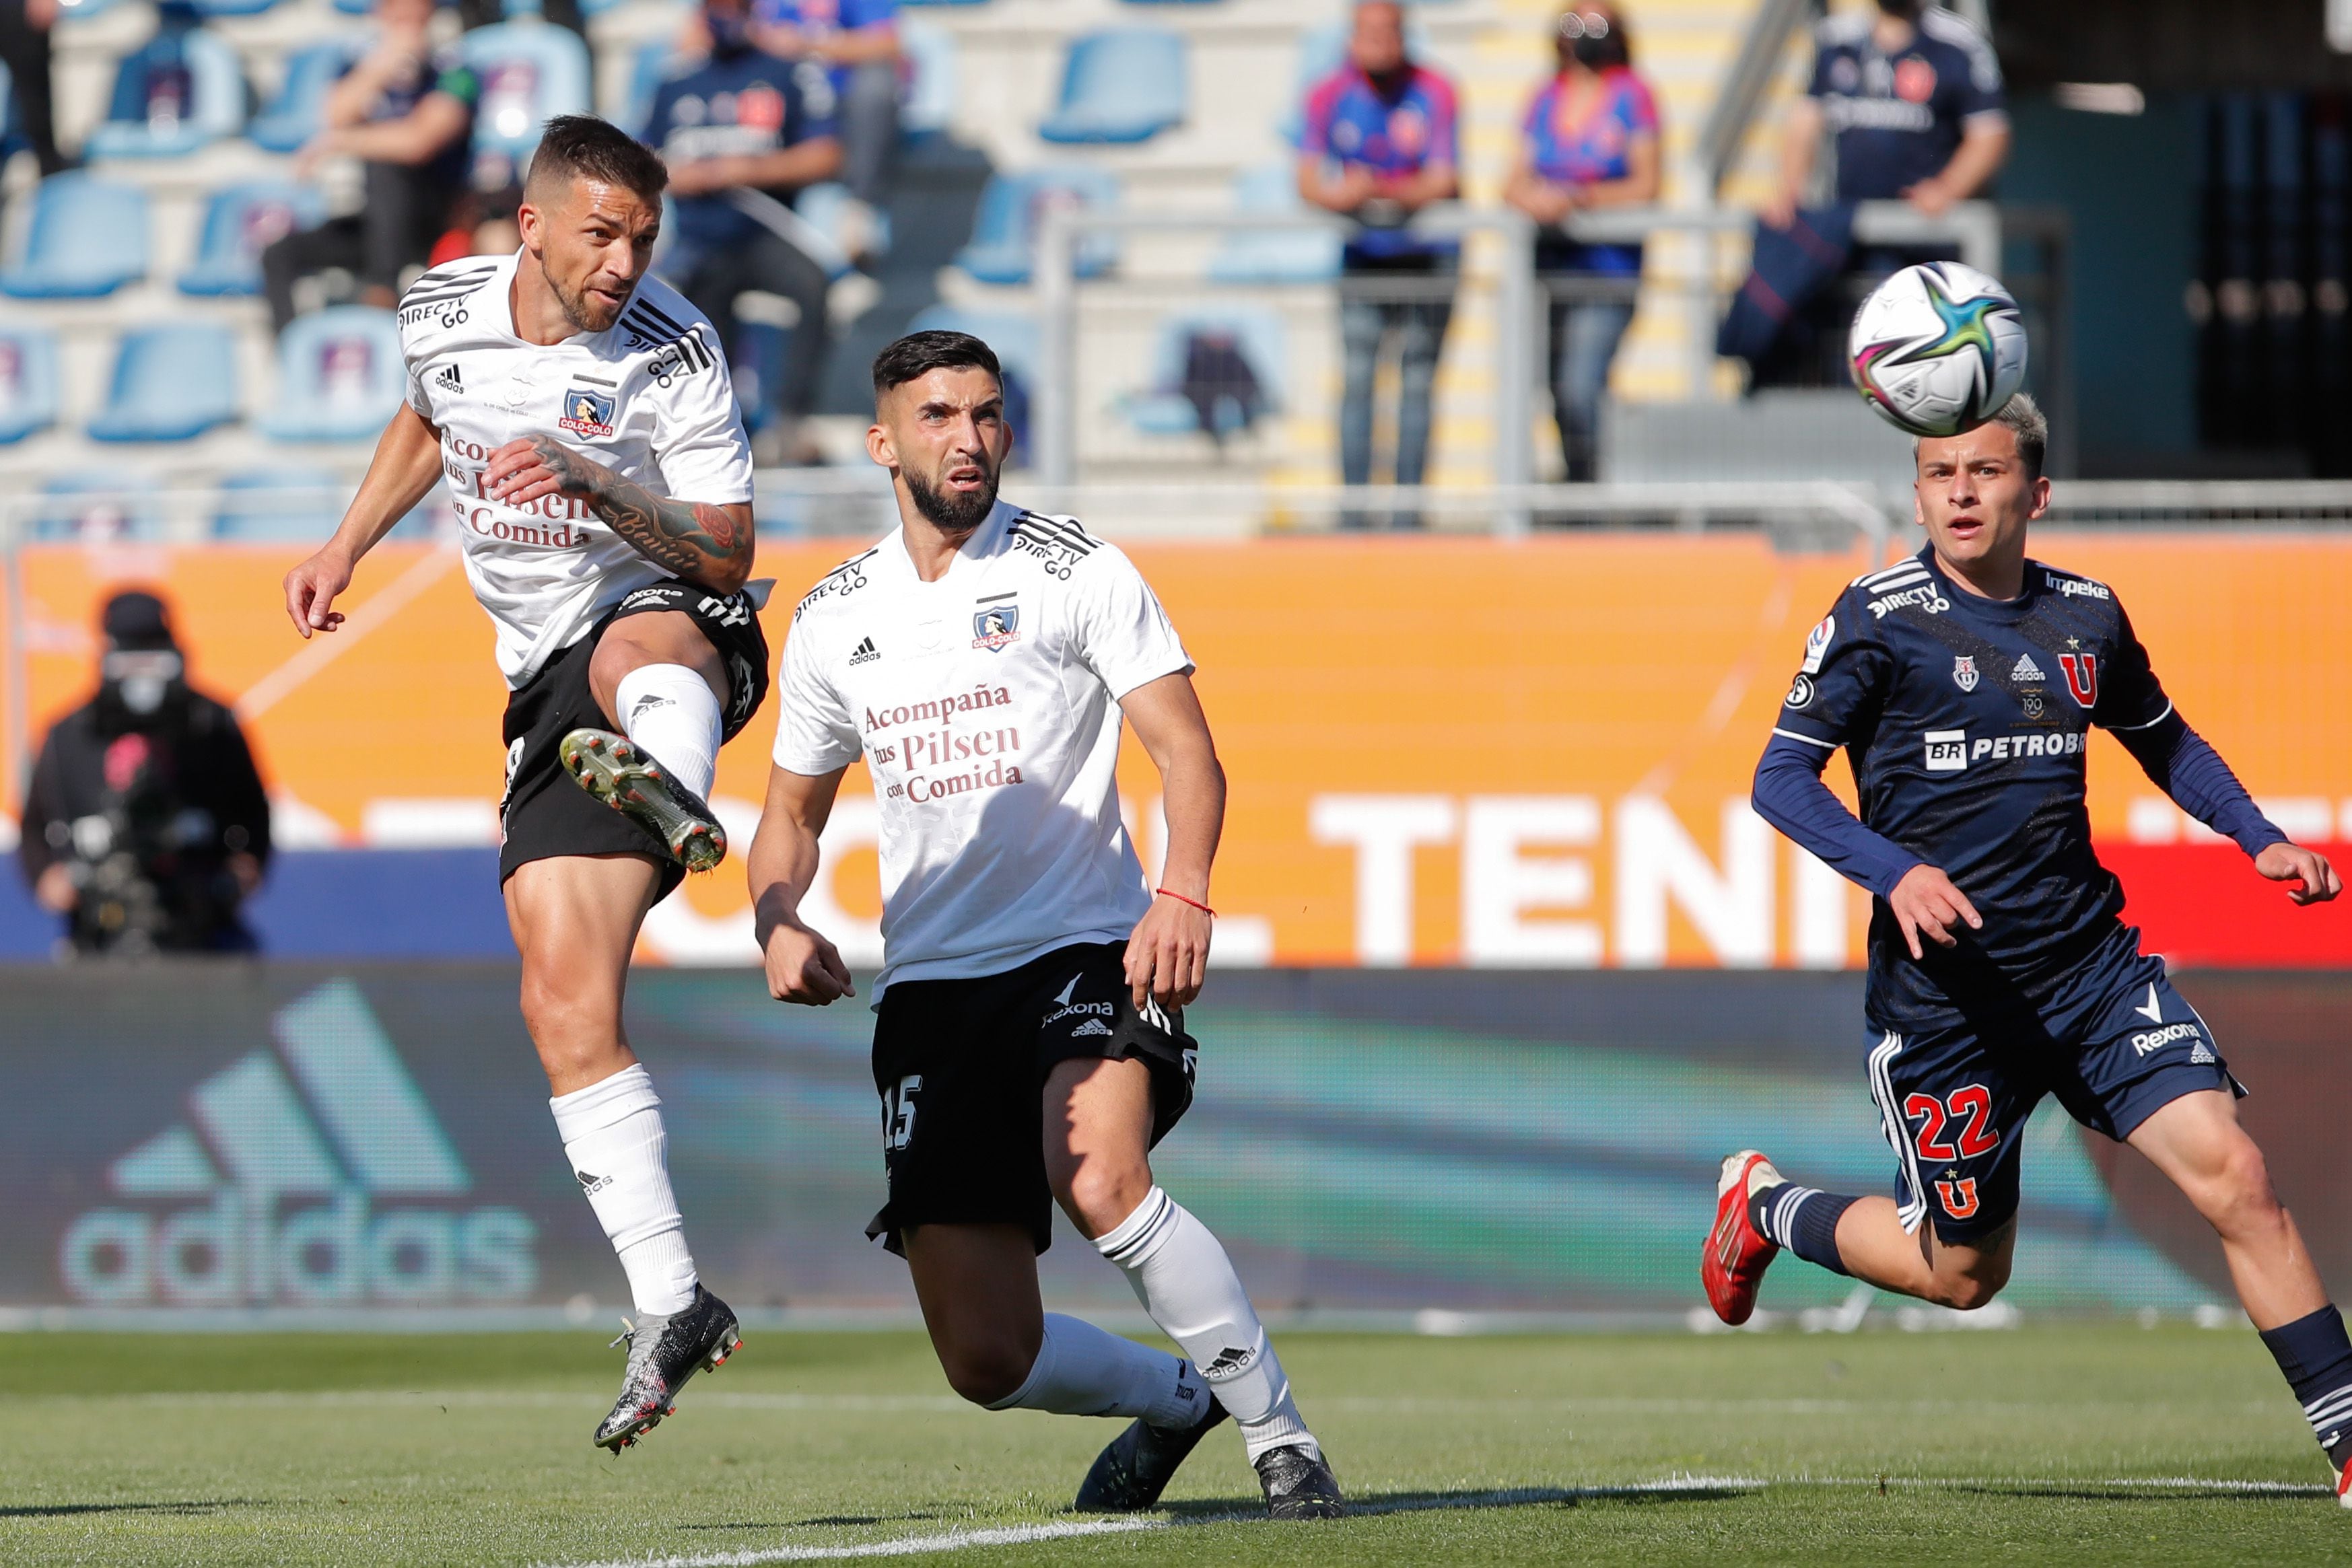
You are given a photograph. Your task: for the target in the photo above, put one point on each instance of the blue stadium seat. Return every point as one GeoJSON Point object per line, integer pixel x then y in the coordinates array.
{"type": "Point", "coordinates": [297, 111]}
{"type": "Point", "coordinates": [88, 237]}
{"type": "Point", "coordinates": [928, 107]}
{"type": "Point", "coordinates": [181, 90]}
{"type": "Point", "coordinates": [172, 382]}
{"type": "Point", "coordinates": [77, 10]}
{"type": "Point", "coordinates": [530, 71]}
{"type": "Point", "coordinates": [240, 222]}
{"type": "Point", "coordinates": [28, 381]}
{"type": "Point", "coordinates": [1254, 333]}
{"type": "Point", "coordinates": [279, 506]}
{"type": "Point", "coordinates": [823, 207]}
{"type": "Point", "coordinates": [1005, 232]}
{"type": "Point", "coordinates": [97, 508]}
{"type": "Point", "coordinates": [1120, 85]}
{"type": "Point", "coordinates": [1274, 256]}
{"type": "Point", "coordinates": [231, 8]}
{"type": "Point", "coordinates": [340, 376]}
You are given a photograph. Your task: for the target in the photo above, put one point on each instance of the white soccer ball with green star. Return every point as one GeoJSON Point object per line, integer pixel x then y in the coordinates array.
{"type": "Point", "coordinates": [1938, 348]}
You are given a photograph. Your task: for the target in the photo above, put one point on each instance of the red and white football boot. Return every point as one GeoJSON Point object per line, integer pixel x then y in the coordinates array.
{"type": "Point", "coordinates": [1733, 1264]}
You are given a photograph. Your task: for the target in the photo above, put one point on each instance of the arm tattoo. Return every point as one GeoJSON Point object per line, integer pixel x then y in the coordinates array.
{"type": "Point", "coordinates": [689, 538]}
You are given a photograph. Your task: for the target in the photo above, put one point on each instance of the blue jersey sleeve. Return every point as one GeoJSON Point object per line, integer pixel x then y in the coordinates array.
{"type": "Point", "coordinates": [811, 106]}
{"type": "Point", "coordinates": [656, 130]}
{"type": "Point", "coordinates": [2125, 695]}
{"type": "Point", "coordinates": [1842, 681]}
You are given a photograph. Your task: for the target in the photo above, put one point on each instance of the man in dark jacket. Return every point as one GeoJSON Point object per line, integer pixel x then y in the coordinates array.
{"type": "Point", "coordinates": [146, 826]}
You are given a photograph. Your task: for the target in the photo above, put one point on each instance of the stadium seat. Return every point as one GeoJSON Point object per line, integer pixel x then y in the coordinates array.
{"type": "Point", "coordinates": [530, 71]}
{"type": "Point", "coordinates": [181, 90]}
{"type": "Point", "coordinates": [928, 107]}
{"type": "Point", "coordinates": [297, 112]}
{"type": "Point", "coordinates": [240, 222]}
{"type": "Point", "coordinates": [1255, 334]}
{"type": "Point", "coordinates": [825, 207]}
{"type": "Point", "coordinates": [279, 506]}
{"type": "Point", "coordinates": [97, 508]}
{"type": "Point", "coordinates": [233, 8]}
{"type": "Point", "coordinates": [171, 383]}
{"type": "Point", "coordinates": [1274, 256]}
{"type": "Point", "coordinates": [339, 376]}
{"type": "Point", "coordinates": [28, 381]}
{"type": "Point", "coordinates": [1121, 85]}
{"type": "Point", "coordinates": [1004, 233]}
{"type": "Point", "coordinates": [88, 237]}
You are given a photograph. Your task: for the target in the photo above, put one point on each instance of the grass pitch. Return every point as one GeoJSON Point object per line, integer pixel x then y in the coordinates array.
{"type": "Point", "coordinates": [2086, 1444]}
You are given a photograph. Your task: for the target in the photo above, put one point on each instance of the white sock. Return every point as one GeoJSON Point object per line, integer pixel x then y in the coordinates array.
{"type": "Point", "coordinates": [611, 1133]}
{"type": "Point", "coordinates": [1186, 1282]}
{"type": "Point", "coordinates": [1082, 1370]}
{"type": "Point", "coordinates": [671, 711]}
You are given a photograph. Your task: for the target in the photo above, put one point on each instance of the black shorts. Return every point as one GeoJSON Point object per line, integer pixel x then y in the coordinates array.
{"type": "Point", "coordinates": [545, 812]}
{"type": "Point", "coordinates": [962, 1066]}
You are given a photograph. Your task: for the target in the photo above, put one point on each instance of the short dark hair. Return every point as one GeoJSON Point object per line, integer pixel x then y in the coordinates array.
{"type": "Point", "coordinates": [917, 354]}
{"type": "Point", "coordinates": [2025, 420]}
{"type": "Point", "coordinates": [577, 146]}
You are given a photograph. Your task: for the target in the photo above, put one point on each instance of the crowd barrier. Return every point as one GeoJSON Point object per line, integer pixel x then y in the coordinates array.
{"type": "Point", "coordinates": [213, 1144]}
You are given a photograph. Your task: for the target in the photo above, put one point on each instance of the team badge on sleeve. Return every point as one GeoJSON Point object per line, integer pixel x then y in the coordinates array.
{"type": "Point", "coordinates": [1817, 645]}
{"type": "Point", "coordinates": [587, 413]}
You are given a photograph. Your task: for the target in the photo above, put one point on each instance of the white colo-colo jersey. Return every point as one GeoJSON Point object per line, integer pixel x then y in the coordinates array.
{"type": "Point", "coordinates": [648, 397]}
{"type": "Point", "coordinates": [987, 706]}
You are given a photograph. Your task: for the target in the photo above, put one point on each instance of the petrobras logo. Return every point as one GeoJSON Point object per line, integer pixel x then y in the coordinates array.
{"type": "Point", "coordinates": [1926, 596]}
{"type": "Point", "coordinates": [2156, 1039]}
{"type": "Point", "coordinates": [2040, 743]}
{"type": "Point", "coordinates": [1947, 750]}
{"type": "Point", "coordinates": [313, 1174]}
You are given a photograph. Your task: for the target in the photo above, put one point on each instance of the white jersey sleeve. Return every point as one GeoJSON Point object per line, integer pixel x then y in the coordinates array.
{"type": "Point", "coordinates": [816, 732]}
{"type": "Point", "coordinates": [698, 436]}
{"type": "Point", "coordinates": [1123, 633]}
{"type": "Point", "coordinates": [437, 308]}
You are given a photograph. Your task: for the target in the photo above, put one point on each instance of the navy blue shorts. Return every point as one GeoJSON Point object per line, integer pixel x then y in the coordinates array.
{"type": "Point", "coordinates": [2116, 1045]}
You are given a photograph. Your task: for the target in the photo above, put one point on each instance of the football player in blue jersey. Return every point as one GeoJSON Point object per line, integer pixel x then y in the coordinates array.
{"type": "Point", "coordinates": [1963, 685]}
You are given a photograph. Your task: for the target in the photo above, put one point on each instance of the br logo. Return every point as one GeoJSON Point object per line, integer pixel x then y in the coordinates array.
{"type": "Point", "coordinates": [310, 1175]}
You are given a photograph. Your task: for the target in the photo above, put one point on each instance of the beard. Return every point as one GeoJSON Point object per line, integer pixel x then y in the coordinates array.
{"type": "Point", "coordinates": [575, 304]}
{"type": "Point", "coordinates": [955, 513]}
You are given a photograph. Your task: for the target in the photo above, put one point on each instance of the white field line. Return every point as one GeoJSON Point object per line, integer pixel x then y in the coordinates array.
{"type": "Point", "coordinates": [324, 648]}
{"type": "Point", "coordinates": [1018, 1535]}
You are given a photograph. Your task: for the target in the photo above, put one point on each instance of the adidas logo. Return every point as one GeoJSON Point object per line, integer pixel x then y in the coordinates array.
{"type": "Point", "coordinates": [2025, 669]}
{"type": "Point", "coordinates": [865, 653]}
{"type": "Point", "coordinates": [1092, 1026]}
{"type": "Point", "coordinates": [2203, 1052]}
{"type": "Point", "coordinates": [448, 378]}
{"type": "Point", "coordinates": [590, 1185]}
{"type": "Point", "coordinates": [1230, 1362]}
{"type": "Point", "coordinates": [267, 1193]}
{"type": "Point", "coordinates": [647, 703]}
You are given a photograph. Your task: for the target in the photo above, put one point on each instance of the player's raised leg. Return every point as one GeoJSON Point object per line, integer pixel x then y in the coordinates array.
{"type": "Point", "coordinates": [664, 687]}
{"type": "Point", "coordinates": [2196, 1142]}
{"type": "Point", "coordinates": [575, 919]}
{"type": "Point", "coordinates": [1099, 1120]}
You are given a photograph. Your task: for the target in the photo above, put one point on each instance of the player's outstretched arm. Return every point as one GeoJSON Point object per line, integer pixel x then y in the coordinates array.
{"type": "Point", "coordinates": [2184, 765]}
{"type": "Point", "coordinates": [1168, 955]}
{"type": "Point", "coordinates": [803, 966]}
{"type": "Point", "coordinates": [407, 464]}
{"type": "Point", "coordinates": [2290, 863]}
{"type": "Point", "coordinates": [707, 543]}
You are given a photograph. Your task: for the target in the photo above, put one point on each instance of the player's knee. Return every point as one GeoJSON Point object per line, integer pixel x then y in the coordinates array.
{"type": "Point", "coordinates": [1097, 1194]}
{"type": "Point", "coordinates": [987, 1373]}
{"type": "Point", "coordinates": [1967, 1292]}
{"type": "Point", "coordinates": [2236, 1192]}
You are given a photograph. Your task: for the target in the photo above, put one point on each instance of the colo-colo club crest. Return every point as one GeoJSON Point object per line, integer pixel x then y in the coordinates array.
{"type": "Point", "coordinates": [587, 413]}
{"type": "Point", "coordinates": [996, 626]}
{"type": "Point", "coordinates": [1964, 671]}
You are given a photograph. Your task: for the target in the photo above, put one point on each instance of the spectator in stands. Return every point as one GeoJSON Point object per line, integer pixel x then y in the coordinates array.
{"type": "Point", "coordinates": [24, 49]}
{"type": "Point", "coordinates": [1379, 147]}
{"type": "Point", "coordinates": [146, 826]}
{"type": "Point", "coordinates": [473, 14]}
{"type": "Point", "coordinates": [154, 85]}
{"type": "Point", "coordinates": [856, 41]}
{"type": "Point", "coordinates": [742, 132]}
{"type": "Point", "coordinates": [405, 110]}
{"type": "Point", "coordinates": [1589, 140]}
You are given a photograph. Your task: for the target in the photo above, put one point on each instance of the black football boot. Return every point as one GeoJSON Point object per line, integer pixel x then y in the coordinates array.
{"type": "Point", "coordinates": [662, 1354]}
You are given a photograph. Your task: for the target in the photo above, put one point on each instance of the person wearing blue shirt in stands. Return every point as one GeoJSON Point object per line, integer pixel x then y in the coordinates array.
{"type": "Point", "coordinates": [741, 132]}
{"type": "Point", "coordinates": [1379, 145]}
{"type": "Point", "coordinates": [1591, 140]}
{"type": "Point", "coordinates": [857, 43]}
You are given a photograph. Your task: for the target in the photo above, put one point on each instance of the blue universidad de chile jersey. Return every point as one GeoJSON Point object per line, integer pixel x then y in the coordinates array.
{"type": "Point", "coordinates": [1898, 119]}
{"type": "Point", "coordinates": [1590, 147]}
{"type": "Point", "coordinates": [1967, 721]}
{"type": "Point", "coordinates": [1349, 121]}
{"type": "Point", "coordinates": [824, 18]}
{"type": "Point", "coordinates": [733, 106]}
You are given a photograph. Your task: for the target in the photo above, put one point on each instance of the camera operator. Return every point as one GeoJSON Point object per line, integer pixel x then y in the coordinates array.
{"type": "Point", "coordinates": [146, 826]}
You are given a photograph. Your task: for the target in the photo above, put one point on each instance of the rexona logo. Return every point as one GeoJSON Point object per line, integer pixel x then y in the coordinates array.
{"type": "Point", "coordinates": [312, 1174]}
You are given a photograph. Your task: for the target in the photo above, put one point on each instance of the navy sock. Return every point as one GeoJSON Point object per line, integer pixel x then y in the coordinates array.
{"type": "Point", "coordinates": [2316, 1358]}
{"type": "Point", "coordinates": [1805, 1219]}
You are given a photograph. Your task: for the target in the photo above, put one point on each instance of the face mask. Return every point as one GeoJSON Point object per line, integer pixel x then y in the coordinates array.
{"type": "Point", "coordinates": [730, 32]}
{"type": "Point", "coordinates": [139, 682]}
{"type": "Point", "coordinates": [1907, 10]}
{"type": "Point", "coordinates": [1600, 53]}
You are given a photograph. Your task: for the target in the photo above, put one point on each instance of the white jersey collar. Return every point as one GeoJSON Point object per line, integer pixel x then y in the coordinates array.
{"type": "Point", "coordinates": [985, 541]}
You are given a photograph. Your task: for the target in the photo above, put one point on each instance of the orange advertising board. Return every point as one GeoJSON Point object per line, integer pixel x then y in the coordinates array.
{"type": "Point", "coordinates": [1441, 751]}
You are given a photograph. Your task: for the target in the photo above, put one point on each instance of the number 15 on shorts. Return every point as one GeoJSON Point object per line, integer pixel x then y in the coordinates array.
{"type": "Point", "coordinates": [898, 1111]}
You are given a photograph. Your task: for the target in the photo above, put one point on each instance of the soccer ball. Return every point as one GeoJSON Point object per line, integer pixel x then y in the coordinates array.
{"type": "Point", "coordinates": [1938, 348]}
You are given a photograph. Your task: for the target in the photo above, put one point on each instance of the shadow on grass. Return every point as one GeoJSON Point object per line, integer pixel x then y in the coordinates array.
{"type": "Point", "coordinates": [2096, 1491]}
{"type": "Point", "coordinates": [820, 1520]}
{"type": "Point", "coordinates": [1219, 1511]}
{"type": "Point", "coordinates": [68, 1510]}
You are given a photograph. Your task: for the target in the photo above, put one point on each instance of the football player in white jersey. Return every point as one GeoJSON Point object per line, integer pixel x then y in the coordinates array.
{"type": "Point", "coordinates": [1029, 1043]}
{"type": "Point", "coordinates": [582, 414]}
